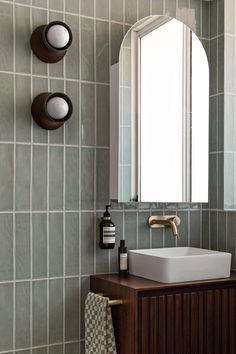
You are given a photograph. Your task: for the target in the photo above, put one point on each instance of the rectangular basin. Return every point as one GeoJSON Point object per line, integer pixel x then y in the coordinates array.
{"type": "Point", "coordinates": [177, 264]}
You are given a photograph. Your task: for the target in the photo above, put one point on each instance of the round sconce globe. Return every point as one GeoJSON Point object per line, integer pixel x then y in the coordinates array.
{"type": "Point", "coordinates": [57, 108]}
{"type": "Point", "coordinates": [58, 36]}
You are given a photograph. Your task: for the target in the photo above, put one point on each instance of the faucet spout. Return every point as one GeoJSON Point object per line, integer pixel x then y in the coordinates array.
{"type": "Point", "coordinates": [161, 221]}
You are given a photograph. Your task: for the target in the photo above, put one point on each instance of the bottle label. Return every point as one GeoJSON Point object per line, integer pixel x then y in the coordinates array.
{"type": "Point", "coordinates": [123, 261]}
{"type": "Point", "coordinates": [109, 233]}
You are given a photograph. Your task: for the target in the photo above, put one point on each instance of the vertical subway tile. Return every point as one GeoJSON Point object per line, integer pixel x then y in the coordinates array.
{"type": "Point", "coordinates": [143, 230]}
{"type": "Point", "coordinates": [157, 7]}
{"type": "Point", "coordinates": [72, 126]}
{"type": "Point", "coordinates": [6, 37]}
{"type": "Point", "coordinates": [182, 11]}
{"type": "Point", "coordinates": [87, 49]}
{"type": "Point", "coordinates": [87, 243]}
{"type": "Point", "coordinates": [87, 113]}
{"type": "Point", "coordinates": [205, 19]}
{"type": "Point", "coordinates": [87, 178]}
{"type": "Point", "coordinates": [6, 107]}
{"type": "Point", "coordinates": [214, 16]}
{"type": "Point", "coordinates": [39, 195]}
{"type": "Point", "coordinates": [220, 63]}
{"type": "Point", "coordinates": [6, 249]}
{"type": "Point", "coordinates": [72, 348]}
{"type": "Point", "coordinates": [195, 229]}
{"type": "Point", "coordinates": [25, 2]}
{"type": "Point", "coordinates": [56, 178]}
{"type": "Point", "coordinates": [213, 66]}
{"type": "Point", "coordinates": [6, 177]}
{"type": "Point", "coordinates": [39, 308]}
{"type": "Point", "coordinates": [22, 246]}
{"type": "Point", "coordinates": [72, 243]}
{"type": "Point", "coordinates": [56, 349]}
{"type": "Point", "coordinates": [22, 315]}
{"type": "Point", "coordinates": [87, 7]}
{"type": "Point", "coordinates": [183, 228]}
{"type": "Point", "coordinates": [102, 51]}
{"type": "Point", "coordinates": [72, 6]}
{"type": "Point", "coordinates": [229, 65]}
{"type": "Point", "coordinates": [85, 286]}
{"type": "Point", "coordinates": [170, 8]}
{"type": "Point", "coordinates": [102, 9]}
{"type": "Point", "coordinates": [39, 17]}
{"type": "Point", "coordinates": [213, 181]}
{"type": "Point", "coordinates": [205, 229]}
{"type": "Point", "coordinates": [22, 36]}
{"type": "Point", "coordinates": [220, 201]}
{"type": "Point", "coordinates": [72, 56]}
{"type": "Point", "coordinates": [229, 122]}
{"type": "Point", "coordinates": [55, 244]}
{"type": "Point", "coordinates": [117, 218]}
{"type": "Point", "coordinates": [22, 187]}
{"type": "Point", "coordinates": [222, 231]}
{"type": "Point", "coordinates": [72, 178]}
{"type": "Point", "coordinates": [116, 10]}
{"type": "Point", "coordinates": [131, 229]}
{"type": "Point", "coordinates": [213, 228]}
{"type": "Point", "coordinates": [221, 121]}
{"type": "Point", "coordinates": [39, 245]}
{"type": "Point", "coordinates": [143, 8]}
{"type": "Point", "coordinates": [102, 115]}
{"type": "Point", "coordinates": [6, 318]}
{"type": "Point", "coordinates": [57, 136]}
{"type": "Point", "coordinates": [23, 103]}
{"type": "Point", "coordinates": [213, 123]}
{"type": "Point", "coordinates": [102, 180]}
{"type": "Point", "coordinates": [221, 17]}
{"type": "Point", "coordinates": [39, 85]}
{"type": "Point", "coordinates": [102, 258]}
{"type": "Point", "coordinates": [56, 5]}
{"type": "Point", "coordinates": [56, 69]}
{"type": "Point", "coordinates": [229, 171]}
{"type": "Point", "coordinates": [231, 240]}
{"type": "Point", "coordinates": [82, 347]}
{"type": "Point", "coordinates": [130, 11]}
{"type": "Point", "coordinates": [116, 40]}
{"type": "Point", "coordinates": [72, 309]}
{"type": "Point", "coordinates": [169, 239]}
{"type": "Point", "coordinates": [39, 350]}
{"type": "Point", "coordinates": [56, 311]}
{"type": "Point", "coordinates": [39, 3]}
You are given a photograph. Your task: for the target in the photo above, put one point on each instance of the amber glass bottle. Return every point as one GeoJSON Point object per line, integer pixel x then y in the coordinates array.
{"type": "Point", "coordinates": [107, 237]}
{"type": "Point", "coordinates": [123, 258]}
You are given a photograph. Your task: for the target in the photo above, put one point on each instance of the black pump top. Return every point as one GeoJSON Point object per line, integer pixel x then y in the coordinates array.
{"type": "Point", "coordinates": [122, 243]}
{"type": "Point", "coordinates": [107, 214]}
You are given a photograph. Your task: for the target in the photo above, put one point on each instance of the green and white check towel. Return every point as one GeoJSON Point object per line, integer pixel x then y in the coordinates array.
{"type": "Point", "coordinates": [99, 332]}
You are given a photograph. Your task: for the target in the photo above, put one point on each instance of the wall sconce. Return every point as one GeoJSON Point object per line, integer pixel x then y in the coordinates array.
{"type": "Point", "coordinates": [50, 42]}
{"type": "Point", "coordinates": [51, 110]}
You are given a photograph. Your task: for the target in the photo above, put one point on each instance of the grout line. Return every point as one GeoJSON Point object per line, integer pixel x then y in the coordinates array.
{"type": "Point", "coordinates": [109, 41]}
{"type": "Point", "coordinates": [54, 145]}
{"type": "Point", "coordinates": [95, 143]}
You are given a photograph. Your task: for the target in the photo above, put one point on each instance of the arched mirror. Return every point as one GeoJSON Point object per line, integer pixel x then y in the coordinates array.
{"type": "Point", "coordinates": [161, 85]}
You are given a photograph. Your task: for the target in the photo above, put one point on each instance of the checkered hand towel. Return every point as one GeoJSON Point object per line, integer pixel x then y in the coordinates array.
{"type": "Point", "coordinates": [99, 332]}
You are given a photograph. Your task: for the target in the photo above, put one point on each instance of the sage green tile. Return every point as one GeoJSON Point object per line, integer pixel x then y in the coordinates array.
{"type": "Point", "coordinates": [126, 131]}
{"type": "Point", "coordinates": [39, 241]}
{"type": "Point", "coordinates": [87, 114]}
{"type": "Point", "coordinates": [6, 249]}
{"type": "Point", "coordinates": [73, 53]}
{"type": "Point", "coordinates": [56, 311]}
{"type": "Point", "coordinates": [23, 352]}
{"type": "Point", "coordinates": [22, 314]}
{"type": "Point", "coordinates": [72, 244]}
{"type": "Point", "coordinates": [126, 67]}
{"type": "Point", "coordinates": [72, 6]}
{"type": "Point", "coordinates": [157, 234]}
{"type": "Point", "coordinates": [170, 8]}
{"type": "Point", "coordinates": [56, 178]}
{"type": "Point", "coordinates": [220, 201]}
{"type": "Point", "coordinates": [72, 126]}
{"type": "Point", "coordinates": [26, 2]}
{"type": "Point", "coordinates": [85, 287]}
{"type": "Point", "coordinates": [82, 347]}
{"type": "Point", "coordinates": [6, 318]}
{"type": "Point", "coordinates": [22, 187]}
{"type": "Point", "coordinates": [6, 107]}
{"type": "Point", "coordinates": [214, 16]}
{"type": "Point", "coordinates": [126, 107]}
{"type": "Point", "coordinates": [56, 5]}
{"type": "Point", "coordinates": [102, 258]}
{"type": "Point", "coordinates": [102, 172]}
{"type": "Point", "coordinates": [72, 309]}
{"type": "Point", "coordinates": [22, 246]}
{"type": "Point", "coordinates": [87, 7]}
{"type": "Point", "coordinates": [6, 177]}
{"type": "Point", "coordinates": [102, 51]}
{"type": "Point", "coordinates": [57, 136]}
{"type": "Point", "coordinates": [130, 11]}
{"type": "Point", "coordinates": [87, 179]}
{"type": "Point", "coordinates": [229, 171]}
{"type": "Point", "coordinates": [205, 19]}
{"type": "Point", "coordinates": [72, 178]}
{"type": "Point", "coordinates": [195, 229]}
{"type": "Point", "coordinates": [102, 9]}
{"type": "Point", "coordinates": [222, 231]}
{"type": "Point", "coordinates": [56, 69]}
{"type": "Point", "coordinates": [87, 243]}
{"type": "Point", "coordinates": [22, 35]}
{"type": "Point", "coordinates": [40, 350]}
{"type": "Point", "coordinates": [183, 228]}
{"type": "Point", "coordinates": [157, 7]}
{"type": "Point", "coordinates": [220, 63]}
{"type": "Point", "coordinates": [143, 8]}
{"type": "Point", "coordinates": [213, 228]}
{"type": "Point", "coordinates": [205, 229]}
{"type": "Point", "coordinates": [103, 126]}
{"type": "Point", "coordinates": [213, 123]}
{"type": "Point", "coordinates": [39, 314]}
{"type": "Point", "coordinates": [131, 230]}
{"type": "Point", "coordinates": [221, 118]}
{"type": "Point", "coordinates": [55, 244]}
{"type": "Point", "coordinates": [221, 17]}
{"type": "Point", "coordinates": [196, 21]}
{"type": "Point", "coordinates": [169, 239]}
{"type": "Point", "coordinates": [116, 40]}
{"type": "Point", "coordinates": [126, 183]}
{"type": "Point", "coordinates": [39, 3]}
{"type": "Point", "coordinates": [116, 10]}
{"type": "Point", "coordinates": [56, 349]}
{"type": "Point", "coordinates": [6, 37]}
{"type": "Point", "coordinates": [39, 17]}
{"type": "Point", "coordinates": [231, 240]}
{"type": "Point", "coordinates": [72, 348]}
{"type": "Point", "coordinates": [229, 63]}
{"type": "Point", "coordinates": [39, 183]}
{"type": "Point", "coordinates": [40, 85]}
{"type": "Point", "coordinates": [213, 181]}
{"type": "Point", "coordinates": [143, 230]}
{"type": "Point", "coordinates": [23, 104]}
{"type": "Point", "coordinates": [229, 123]}
{"type": "Point", "coordinates": [87, 49]}
{"type": "Point", "coordinates": [229, 20]}
{"type": "Point", "coordinates": [117, 218]}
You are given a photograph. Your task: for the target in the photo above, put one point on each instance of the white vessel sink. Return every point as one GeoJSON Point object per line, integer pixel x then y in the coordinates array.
{"type": "Point", "coordinates": [177, 264]}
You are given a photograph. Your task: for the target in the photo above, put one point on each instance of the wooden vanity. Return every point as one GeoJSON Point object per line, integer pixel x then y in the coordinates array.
{"type": "Point", "coordinates": [178, 318]}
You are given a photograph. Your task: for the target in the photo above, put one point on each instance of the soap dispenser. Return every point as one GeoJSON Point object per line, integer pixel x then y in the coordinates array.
{"type": "Point", "coordinates": [107, 231]}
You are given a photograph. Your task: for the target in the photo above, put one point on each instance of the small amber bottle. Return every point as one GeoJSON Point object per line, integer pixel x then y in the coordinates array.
{"type": "Point", "coordinates": [123, 258]}
{"type": "Point", "coordinates": [107, 228]}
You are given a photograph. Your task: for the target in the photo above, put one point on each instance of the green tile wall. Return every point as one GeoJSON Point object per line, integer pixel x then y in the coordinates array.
{"type": "Point", "coordinates": [53, 185]}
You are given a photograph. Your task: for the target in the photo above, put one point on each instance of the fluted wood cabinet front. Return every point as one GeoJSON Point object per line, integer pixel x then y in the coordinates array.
{"type": "Point", "coordinates": [179, 318]}
{"type": "Point", "coordinates": [199, 322]}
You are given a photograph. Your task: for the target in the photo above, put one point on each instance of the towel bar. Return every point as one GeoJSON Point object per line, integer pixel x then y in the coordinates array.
{"type": "Point", "coordinates": [112, 302]}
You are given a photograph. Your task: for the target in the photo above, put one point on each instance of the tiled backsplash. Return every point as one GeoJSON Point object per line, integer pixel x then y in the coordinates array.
{"type": "Point", "coordinates": [53, 185]}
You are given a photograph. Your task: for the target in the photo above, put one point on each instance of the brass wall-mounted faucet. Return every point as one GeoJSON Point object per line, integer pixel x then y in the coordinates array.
{"type": "Point", "coordinates": [161, 221]}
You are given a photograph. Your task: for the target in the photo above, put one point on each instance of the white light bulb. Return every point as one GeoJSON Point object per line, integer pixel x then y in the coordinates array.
{"type": "Point", "coordinates": [58, 36]}
{"type": "Point", "coordinates": [57, 108]}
